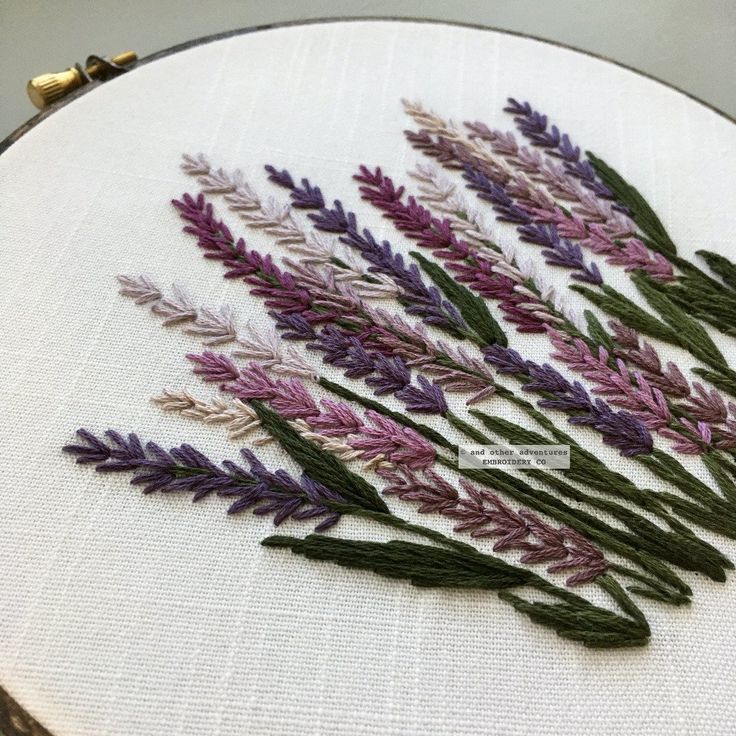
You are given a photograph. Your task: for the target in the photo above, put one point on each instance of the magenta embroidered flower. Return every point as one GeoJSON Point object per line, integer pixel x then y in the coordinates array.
{"type": "Point", "coordinates": [214, 367]}
{"type": "Point", "coordinates": [400, 445]}
{"type": "Point", "coordinates": [701, 435]}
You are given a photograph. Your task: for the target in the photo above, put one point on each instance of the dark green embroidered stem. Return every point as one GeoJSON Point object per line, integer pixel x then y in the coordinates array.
{"type": "Point", "coordinates": [473, 308]}
{"type": "Point", "coordinates": [672, 471]}
{"type": "Point", "coordinates": [617, 305]}
{"type": "Point", "coordinates": [694, 305]}
{"type": "Point", "coordinates": [319, 465]}
{"type": "Point", "coordinates": [691, 333]}
{"type": "Point", "coordinates": [657, 591]}
{"type": "Point", "coordinates": [598, 333]}
{"type": "Point", "coordinates": [656, 236]}
{"type": "Point", "coordinates": [721, 470]}
{"type": "Point", "coordinates": [588, 469]}
{"type": "Point", "coordinates": [650, 588]}
{"type": "Point", "coordinates": [584, 466]}
{"type": "Point", "coordinates": [654, 590]}
{"type": "Point", "coordinates": [427, 566]}
{"type": "Point", "coordinates": [720, 265]}
{"type": "Point", "coordinates": [600, 477]}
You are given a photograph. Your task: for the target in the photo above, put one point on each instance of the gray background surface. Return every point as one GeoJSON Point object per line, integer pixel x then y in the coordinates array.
{"type": "Point", "coordinates": [688, 43]}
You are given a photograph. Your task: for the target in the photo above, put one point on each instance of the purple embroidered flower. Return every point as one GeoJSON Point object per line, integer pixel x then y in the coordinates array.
{"type": "Point", "coordinates": [345, 351]}
{"type": "Point", "coordinates": [214, 367]}
{"type": "Point", "coordinates": [547, 379]}
{"type": "Point", "coordinates": [185, 469]}
{"type": "Point", "coordinates": [574, 398]}
{"type": "Point", "coordinates": [701, 437]}
{"type": "Point", "coordinates": [293, 326]}
{"type": "Point", "coordinates": [253, 383]}
{"type": "Point", "coordinates": [425, 399]}
{"type": "Point", "coordinates": [397, 444]}
{"type": "Point", "coordinates": [533, 125]}
{"type": "Point", "coordinates": [418, 299]}
{"type": "Point", "coordinates": [336, 420]}
{"type": "Point", "coordinates": [494, 193]}
{"type": "Point", "coordinates": [483, 514]}
{"type": "Point", "coordinates": [506, 360]}
{"type": "Point", "coordinates": [619, 429]}
{"type": "Point", "coordinates": [282, 178]}
{"type": "Point", "coordinates": [391, 375]}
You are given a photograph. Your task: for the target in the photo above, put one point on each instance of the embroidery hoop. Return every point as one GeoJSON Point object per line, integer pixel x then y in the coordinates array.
{"type": "Point", "coordinates": [14, 719]}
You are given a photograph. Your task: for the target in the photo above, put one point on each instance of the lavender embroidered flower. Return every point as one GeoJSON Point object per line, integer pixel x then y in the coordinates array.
{"type": "Point", "coordinates": [185, 469]}
{"type": "Point", "coordinates": [619, 429]}
{"type": "Point", "coordinates": [419, 299]}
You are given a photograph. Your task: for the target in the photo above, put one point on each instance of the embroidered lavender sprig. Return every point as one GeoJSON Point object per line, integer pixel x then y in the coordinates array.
{"type": "Point", "coordinates": [490, 277]}
{"type": "Point", "coordinates": [550, 172]}
{"type": "Point", "coordinates": [388, 452]}
{"type": "Point", "coordinates": [697, 292]}
{"type": "Point", "coordinates": [451, 564]}
{"type": "Point", "coordinates": [419, 224]}
{"type": "Point", "coordinates": [534, 126]}
{"type": "Point", "coordinates": [386, 333]}
{"type": "Point", "coordinates": [619, 429]}
{"type": "Point", "coordinates": [676, 326]}
{"type": "Point", "coordinates": [489, 177]}
{"type": "Point", "coordinates": [646, 401]}
{"type": "Point", "coordinates": [217, 326]}
{"type": "Point", "coordinates": [236, 416]}
{"type": "Point", "coordinates": [381, 439]}
{"type": "Point", "coordinates": [277, 220]}
{"type": "Point", "coordinates": [185, 469]}
{"type": "Point", "coordinates": [481, 513]}
{"type": "Point", "coordinates": [420, 300]}
{"type": "Point", "coordinates": [281, 290]}
{"type": "Point", "coordinates": [396, 453]}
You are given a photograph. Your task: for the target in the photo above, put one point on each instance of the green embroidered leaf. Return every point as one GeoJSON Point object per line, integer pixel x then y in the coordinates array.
{"type": "Point", "coordinates": [432, 567]}
{"type": "Point", "coordinates": [422, 564]}
{"type": "Point", "coordinates": [641, 212]}
{"type": "Point", "coordinates": [598, 332]}
{"type": "Point", "coordinates": [720, 265]}
{"type": "Point", "coordinates": [318, 464]}
{"type": "Point", "coordinates": [724, 379]}
{"type": "Point", "coordinates": [617, 305]}
{"type": "Point", "coordinates": [720, 469]}
{"type": "Point", "coordinates": [691, 333]}
{"type": "Point", "coordinates": [473, 308]}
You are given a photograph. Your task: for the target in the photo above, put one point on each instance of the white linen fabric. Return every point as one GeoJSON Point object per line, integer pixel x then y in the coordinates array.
{"type": "Point", "coordinates": [123, 614]}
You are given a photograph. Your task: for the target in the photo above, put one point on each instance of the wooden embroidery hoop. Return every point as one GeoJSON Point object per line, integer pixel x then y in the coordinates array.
{"type": "Point", "coordinates": [14, 719]}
